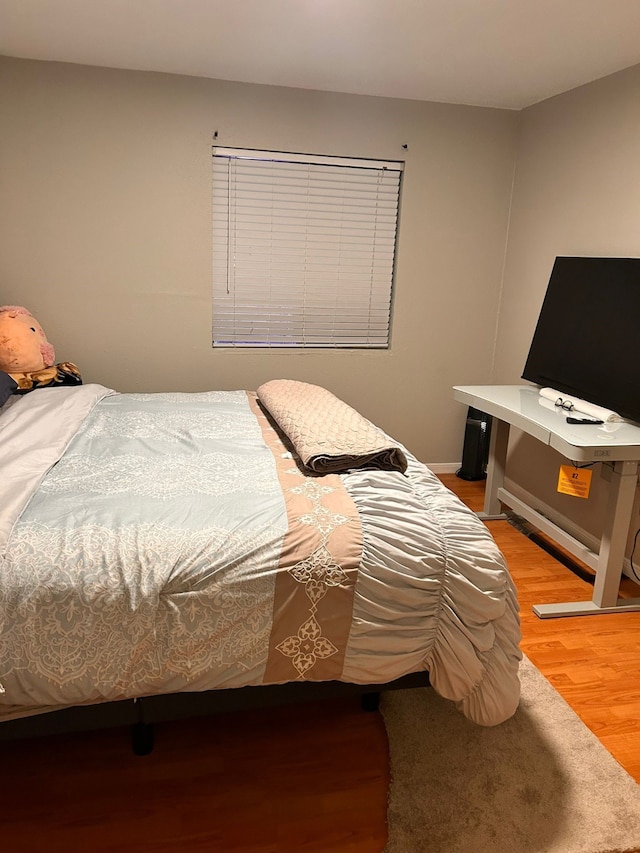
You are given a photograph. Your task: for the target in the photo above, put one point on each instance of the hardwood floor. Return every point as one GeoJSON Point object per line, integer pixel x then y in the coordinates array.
{"type": "Point", "coordinates": [307, 778]}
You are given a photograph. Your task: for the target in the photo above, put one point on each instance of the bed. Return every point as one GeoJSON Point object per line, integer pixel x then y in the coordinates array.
{"type": "Point", "coordinates": [167, 545]}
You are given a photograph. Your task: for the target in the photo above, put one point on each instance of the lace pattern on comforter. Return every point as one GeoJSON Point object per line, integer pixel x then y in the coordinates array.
{"type": "Point", "coordinates": [157, 555]}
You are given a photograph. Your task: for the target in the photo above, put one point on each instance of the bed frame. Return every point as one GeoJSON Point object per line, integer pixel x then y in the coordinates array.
{"type": "Point", "coordinates": [141, 714]}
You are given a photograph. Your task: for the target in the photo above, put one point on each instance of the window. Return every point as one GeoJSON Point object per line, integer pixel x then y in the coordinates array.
{"type": "Point", "coordinates": [303, 249]}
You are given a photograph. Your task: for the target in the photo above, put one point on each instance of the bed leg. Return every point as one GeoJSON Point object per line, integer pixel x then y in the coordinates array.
{"type": "Point", "coordinates": [370, 701]}
{"type": "Point", "coordinates": [142, 738]}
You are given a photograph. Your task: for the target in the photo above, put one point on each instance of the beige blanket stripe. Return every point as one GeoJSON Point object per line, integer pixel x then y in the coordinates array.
{"type": "Point", "coordinates": [318, 567]}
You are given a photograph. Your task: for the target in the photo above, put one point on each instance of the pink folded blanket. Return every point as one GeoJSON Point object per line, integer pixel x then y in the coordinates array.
{"type": "Point", "coordinates": [328, 435]}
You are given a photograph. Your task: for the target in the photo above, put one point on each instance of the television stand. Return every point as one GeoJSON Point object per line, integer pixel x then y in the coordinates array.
{"type": "Point", "coordinates": [618, 444]}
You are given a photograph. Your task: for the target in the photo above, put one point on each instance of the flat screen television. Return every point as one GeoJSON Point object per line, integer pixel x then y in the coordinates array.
{"type": "Point", "coordinates": [587, 339]}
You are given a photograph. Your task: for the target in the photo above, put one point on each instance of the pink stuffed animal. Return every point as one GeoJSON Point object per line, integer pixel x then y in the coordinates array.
{"type": "Point", "coordinates": [24, 347]}
{"type": "Point", "coordinates": [27, 356]}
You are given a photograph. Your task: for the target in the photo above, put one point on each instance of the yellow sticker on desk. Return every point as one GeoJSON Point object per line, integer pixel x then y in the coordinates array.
{"type": "Point", "coordinates": [574, 481]}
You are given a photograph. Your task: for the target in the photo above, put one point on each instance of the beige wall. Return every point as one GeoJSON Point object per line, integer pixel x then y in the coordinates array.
{"type": "Point", "coordinates": [105, 233]}
{"type": "Point", "coordinates": [576, 192]}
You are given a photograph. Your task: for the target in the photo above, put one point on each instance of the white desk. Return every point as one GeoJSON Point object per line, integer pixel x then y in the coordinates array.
{"type": "Point", "coordinates": [616, 443]}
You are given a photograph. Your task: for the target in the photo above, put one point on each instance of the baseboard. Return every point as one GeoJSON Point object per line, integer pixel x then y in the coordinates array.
{"type": "Point", "coordinates": [444, 467]}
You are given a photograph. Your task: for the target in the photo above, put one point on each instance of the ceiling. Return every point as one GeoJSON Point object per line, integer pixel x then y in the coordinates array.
{"type": "Point", "coordinates": [499, 53]}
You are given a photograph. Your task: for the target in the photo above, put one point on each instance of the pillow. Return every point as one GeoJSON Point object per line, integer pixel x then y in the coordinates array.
{"type": "Point", "coordinates": [8, 386]}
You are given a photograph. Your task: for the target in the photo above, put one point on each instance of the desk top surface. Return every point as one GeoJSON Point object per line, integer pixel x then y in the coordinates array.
{"type": "Point", "coordinates": [523, 407]}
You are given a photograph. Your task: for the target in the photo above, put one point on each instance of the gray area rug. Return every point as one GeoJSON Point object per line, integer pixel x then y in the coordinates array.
{"type": "Point", "coordinates": [539, 783]}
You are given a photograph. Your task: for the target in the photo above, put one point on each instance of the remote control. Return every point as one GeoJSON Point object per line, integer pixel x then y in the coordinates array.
{"type": "Point", "coordinates": [583, 421]}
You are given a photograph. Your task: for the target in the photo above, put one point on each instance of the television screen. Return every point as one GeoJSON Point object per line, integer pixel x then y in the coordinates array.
{"type": "Point", "coordinates": [587, 339]}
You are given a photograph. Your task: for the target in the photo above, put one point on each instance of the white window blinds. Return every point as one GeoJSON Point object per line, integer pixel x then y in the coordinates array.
{"type": "Point", "coordinates": [303, 249]}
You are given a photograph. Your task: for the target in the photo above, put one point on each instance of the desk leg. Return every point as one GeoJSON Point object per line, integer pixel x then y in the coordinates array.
{"type": "Point", "coordinates": [614, 535]}
{"type": "Point", "coordinates": [611, 554]}
{"type": "Point", "coordinates": [495, 470]}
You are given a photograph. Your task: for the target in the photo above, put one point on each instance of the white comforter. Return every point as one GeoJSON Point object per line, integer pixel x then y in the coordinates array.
{"type": "Point", "coordinates": [139, 546]}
